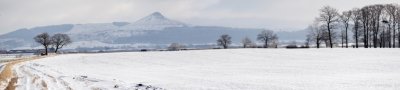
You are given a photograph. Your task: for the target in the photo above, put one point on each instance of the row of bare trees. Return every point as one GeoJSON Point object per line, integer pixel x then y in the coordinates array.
{"type": "Point", "coordinates": [267, 37]}
{"type": "Point", "coordinates": [370, 26]}
{"type": "Point", "coordinates": [56, 41]}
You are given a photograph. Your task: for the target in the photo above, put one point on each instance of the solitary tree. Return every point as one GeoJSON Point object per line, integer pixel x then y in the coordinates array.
{"type": "Point", "coordinates": [246, 42]}
{"type": "Point", "coordinates": [266, 37]}
{"type": "Point", "coordinates": [329, 16]}
{"type": "Point", "coordinates": [175, 47]}
{"type": "Point", "coordinates": [44, 40]}
{"type": "Point", "coordinates": [224, 41]}
{"type": "Point", "coordinates": [59, 41]}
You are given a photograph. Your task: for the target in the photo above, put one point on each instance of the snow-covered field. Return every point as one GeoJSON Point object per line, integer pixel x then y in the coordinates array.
{"type": "Point", "coordinates": [9, 57]}
{"type": "Point", "coordinates": [235, 69]}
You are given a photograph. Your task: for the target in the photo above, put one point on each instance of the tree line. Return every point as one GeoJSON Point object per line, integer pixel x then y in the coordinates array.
{"type": "Point", "coordinates": [372, 26]}
{"type": "Point", "coordinates": [57, 41]}
{"type": "Point", "coordinates": [267, 37]}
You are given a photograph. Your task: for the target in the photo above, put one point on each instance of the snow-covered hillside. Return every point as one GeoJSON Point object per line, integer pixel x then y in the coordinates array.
{"type": "Point", "coordinates": [154, 21]}
{"type": "Point", "coordinates": [154, 29]}
{"type": "Point", "coordinates": [236, 69]}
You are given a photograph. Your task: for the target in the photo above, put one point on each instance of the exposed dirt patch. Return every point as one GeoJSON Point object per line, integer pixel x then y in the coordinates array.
{"type": "Point", "coordinates": [12, 83]}
{"type": "Point", "coordinates": [7, 77]}
{"type": "Point", "coordinates": [44, 85]}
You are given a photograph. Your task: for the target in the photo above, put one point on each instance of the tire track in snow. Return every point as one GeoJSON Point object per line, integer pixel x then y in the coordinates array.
{"type": "Point", "coordinates": [41, 80]}
{"type": "Point", "coordinates": [8, 78]}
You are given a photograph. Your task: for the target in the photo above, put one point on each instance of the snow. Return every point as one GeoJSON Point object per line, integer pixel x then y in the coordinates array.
{"type": "Point", "coordinates": [232, 69]}
{"type": "Point", "coordinates": [154, 21]}
{"type": "Point", "coordinates": [98, 44]}
{"type": "Point", "coordinates": [89, 44]}
{"type": "Point", "coordinates": [8, 57]}
{"type": "Point", "coordinates": [1, 67]}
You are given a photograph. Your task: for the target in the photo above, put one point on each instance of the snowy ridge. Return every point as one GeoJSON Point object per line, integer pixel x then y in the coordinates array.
{"type": "Point", "coordinates": [155, 21]}
{"type": "Point", "coordinates": [90, 28]}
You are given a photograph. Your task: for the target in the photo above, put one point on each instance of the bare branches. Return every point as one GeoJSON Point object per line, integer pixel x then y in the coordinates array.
{"type": "Point", "coordinates": [175, 47]}
{"type": "Point", "coordinates": [44, 40]}
{"type": "Point", "coordinates": [246, 42]}
{"type": "Point", "coordinates": [374, 25]}
{"type": "Point", "coordinates": [345, 19]}
{"type": "Point", "coordinates": [267, 37]}
{"type": "Point", "coordinates": [224, 41]}
{"type": "Point", "coordinates": [329, 16]}
{"type": "Point", "coordinates": [60, 40]}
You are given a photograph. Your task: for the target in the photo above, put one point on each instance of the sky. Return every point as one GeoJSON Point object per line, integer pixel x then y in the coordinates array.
{"type": "Point", "coordinates": [268, 14]}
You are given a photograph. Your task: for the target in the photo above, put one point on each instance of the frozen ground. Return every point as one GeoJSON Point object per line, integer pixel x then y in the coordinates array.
{"type": "Point", "coordinates": [237, 69]}
{"type": "Point", "coordinates": [8, 57]}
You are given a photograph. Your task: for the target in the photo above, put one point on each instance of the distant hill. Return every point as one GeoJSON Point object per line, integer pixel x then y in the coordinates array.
{"type": "Point", "coordinates": [151, 31]}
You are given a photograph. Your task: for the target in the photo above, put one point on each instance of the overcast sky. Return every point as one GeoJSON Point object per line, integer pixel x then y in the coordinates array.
{"type": "Point", "coordinates": [275, 14]}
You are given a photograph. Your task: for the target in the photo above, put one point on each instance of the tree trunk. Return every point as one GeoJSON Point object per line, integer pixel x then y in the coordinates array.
{"type": "Point", "coordinates": [394, 35]}
{"type": "Point", "coordinates": [318, 42]}
{"type": "Point", "coordinates": [365, 34]}
{"type": "Point", "coordinates": [55, 51]}
{"type": "Point", "coordinates": [388, 37]}
{"type": "Point", "coordinates": [347, 43]}
{"type": "Point", "coordinates": [342, 40]}
{"type": "Point", "coordinates": [356, 33]}
{"type": "Point", "coordinates": [398, 35]}
{"type": "Point", "coordinates": [266, 44]}
{"type": "Point", "coordinates": [329, 34]}
{"type": "Point", "coordinates": [46, 50]}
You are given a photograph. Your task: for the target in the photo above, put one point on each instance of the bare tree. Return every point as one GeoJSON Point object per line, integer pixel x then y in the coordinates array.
{"type": "Point", "coordinates": [315, 33]}
{"type": "Point", "coordinates": [398, 24]}
{"type": "Point", "coordinates": [345, 20]}
{"type": "Point", "coordinates": [365, 17]}
{"type": "Point", "coordinates": [266, 37]}
{"type": "Point", "coordinates": [224, 41]}
{"type": "Point", "coordinates": [329, 16]}
{"type": "Point", "coordinates": [377, 11]}
{"type": "Point", "coordinates": [275, 41]}
{"type": "Point", "coordinates": [342, 37]}
{"type": "Point", "coordinates": [356, 18]}
{"type": "Point", "coordinates": [175, 47]}
{"type": "Point", "coordinates": [44, 40]}
{"type": "Point", "coordinates": [393, 12]}
{"type": "Point", "coordinates": [246, 42]}
{"type": "Point", "coordinates": [374, 25]}
{"type": "Point", "coordinates": [59, 41]}
{"type": "Point", "coordinates": [308, 40]}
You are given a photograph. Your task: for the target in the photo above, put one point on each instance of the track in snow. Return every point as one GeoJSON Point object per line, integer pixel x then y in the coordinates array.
{"type": "Point", "coordinates": [237, 69]}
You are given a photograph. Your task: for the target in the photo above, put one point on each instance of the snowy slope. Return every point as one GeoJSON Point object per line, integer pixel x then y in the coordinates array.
{"type": "Point", "coordinates": [154, 21]}
{"type": "Point", "coordinates": [152, 29]}
{"type": "Point", "coordinates": [110, 32]}
{"type": "Point", "coordinates": [236, 69]}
